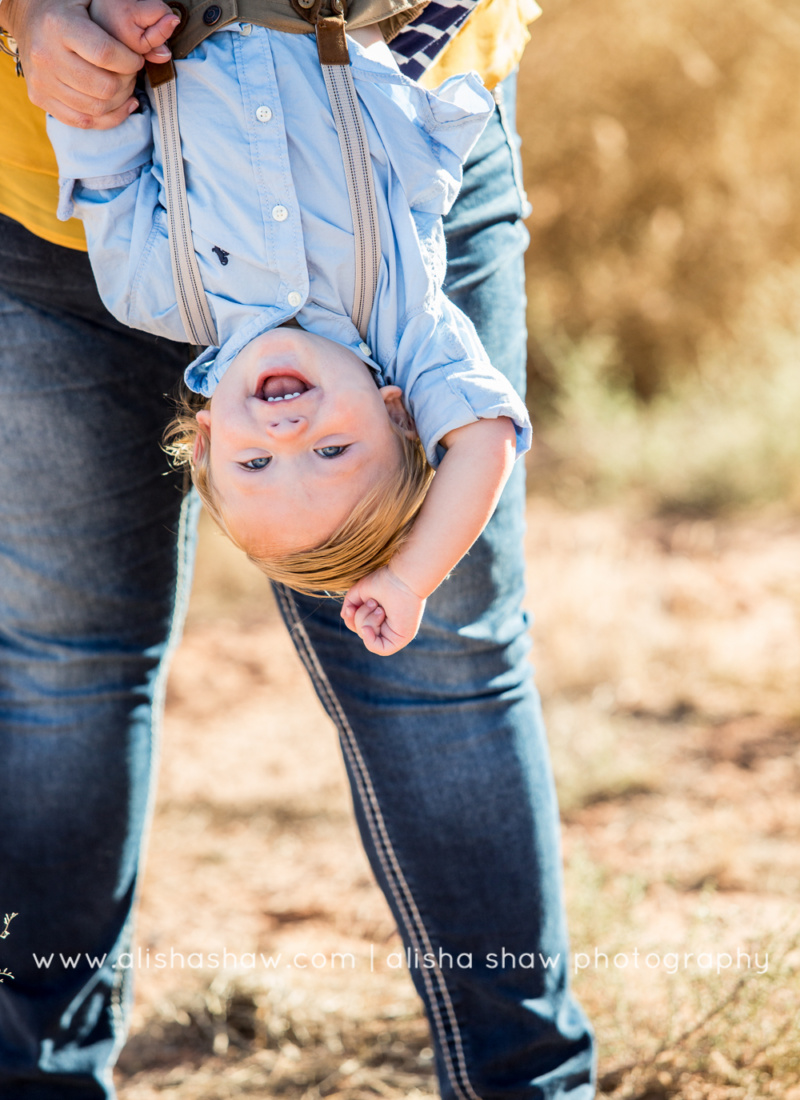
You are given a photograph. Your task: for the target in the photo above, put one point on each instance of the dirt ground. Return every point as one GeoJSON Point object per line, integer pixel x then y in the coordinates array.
{"type": "Point", "coordinates": [667, 656]}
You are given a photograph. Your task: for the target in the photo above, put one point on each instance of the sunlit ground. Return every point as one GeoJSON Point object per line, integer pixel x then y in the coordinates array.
{"type": "Point", "coordinates": [667, 655]}
{"type": "Point", "coordinates": [662, 154]}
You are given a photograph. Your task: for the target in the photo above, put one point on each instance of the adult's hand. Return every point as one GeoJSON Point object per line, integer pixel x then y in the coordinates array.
{"type": "Point", "coordinates": [73, 69]}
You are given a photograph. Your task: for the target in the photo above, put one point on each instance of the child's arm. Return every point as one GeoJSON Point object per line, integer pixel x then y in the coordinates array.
{"type": "Point", "coordinates": [142, 25]}
{"type": "Point", "coordinates": [385, 608]}
{"type": "Point", "coordinates": [107, 179]}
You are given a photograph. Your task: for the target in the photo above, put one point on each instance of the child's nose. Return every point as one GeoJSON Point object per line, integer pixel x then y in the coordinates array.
{"type": "Point", "coordinates": [287, 427]}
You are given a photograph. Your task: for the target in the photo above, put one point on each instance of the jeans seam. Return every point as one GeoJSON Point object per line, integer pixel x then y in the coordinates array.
{"type": "Point", "coordinates": [513, 148]}
{"type": "Point", "coordinates": [415, 927]}
{"type": "Point", "coordinates": [183, 582]}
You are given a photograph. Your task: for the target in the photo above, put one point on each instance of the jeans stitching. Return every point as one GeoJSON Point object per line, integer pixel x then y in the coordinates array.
{"type": "Point", "coordinates": [183, 581]}
{"type": "Point", "coordinates": [512, 140]}
{"type": "Point", "coordinates": [394, 875]}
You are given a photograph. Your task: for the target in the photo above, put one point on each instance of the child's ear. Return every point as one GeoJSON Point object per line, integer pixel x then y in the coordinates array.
{"type": "Point", "coordinates": [398, 413]}
{"type": "Point", "coordinates": [202, 437]}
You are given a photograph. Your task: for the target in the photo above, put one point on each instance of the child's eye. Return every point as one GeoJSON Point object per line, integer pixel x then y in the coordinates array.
{"type": "Point", "coordinates": [332, 452]}
{"type": "Point", "coordinates": [256, 463]}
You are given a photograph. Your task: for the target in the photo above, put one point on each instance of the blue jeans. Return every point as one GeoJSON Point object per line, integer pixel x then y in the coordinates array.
{"type": "Point", "coordinates": [444, 743]}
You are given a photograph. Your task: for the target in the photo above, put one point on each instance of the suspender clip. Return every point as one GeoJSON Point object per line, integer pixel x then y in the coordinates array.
{"type": "Point", "coordinates": [159, 74]}
{"type": "Point", "coordinates": [331, 40]}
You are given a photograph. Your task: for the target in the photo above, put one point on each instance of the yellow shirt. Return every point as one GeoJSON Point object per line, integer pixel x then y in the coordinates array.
{"type": "Point", "coordinates": [28, 174]}
{"type": "Point", "coordinates": [490, 42]}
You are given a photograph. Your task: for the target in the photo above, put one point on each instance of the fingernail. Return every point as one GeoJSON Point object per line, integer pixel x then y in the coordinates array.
{"type": "Point", "coordinates": [163, 53]}
{"type": "Point", "coordinates": [133, 106]}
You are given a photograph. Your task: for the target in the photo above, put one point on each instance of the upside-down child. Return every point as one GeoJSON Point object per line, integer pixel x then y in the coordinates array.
{"type": "Point", "coordinates": [312, 447]}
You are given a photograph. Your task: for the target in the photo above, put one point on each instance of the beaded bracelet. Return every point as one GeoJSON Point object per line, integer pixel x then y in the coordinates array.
{"type": "Point", "coordinates": [8, 46]}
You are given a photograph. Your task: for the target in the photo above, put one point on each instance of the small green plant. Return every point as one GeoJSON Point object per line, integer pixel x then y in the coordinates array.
{"type": "Point", "coordinates": [7, 919]}
{"type": "Point", "coordinates": [705, 447]}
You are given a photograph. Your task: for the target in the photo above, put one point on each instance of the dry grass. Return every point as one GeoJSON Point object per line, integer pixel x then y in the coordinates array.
{"type": "Point", "coordinates": [662, 152]}
{"type": "Point", "coordinates": [674, 724]}
{"type": "Point", "coordinates": [242, 1038]}
{"type": "Point", "coordinates": [697, 451]}
{"type": "Point", "coordinates": [668, 668]}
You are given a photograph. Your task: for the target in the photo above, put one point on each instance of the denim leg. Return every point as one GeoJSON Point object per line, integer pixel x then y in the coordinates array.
{"type": "Point", "coordinates": [93, 548]}
{"type": "Point", "coordinates": [445, 746]}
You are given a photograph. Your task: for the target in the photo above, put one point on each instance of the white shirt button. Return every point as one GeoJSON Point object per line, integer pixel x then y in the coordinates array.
{"type": "Point", "coordinates": [263, 113]}
{"type": "Point", "coordinates": [294, 299]}
{"type": "Point", "coordinates": [365, 348]}
{"type": "Point", "coordinates": [280, 213]}
{"type": "Point", "coordinates": [245, 28]}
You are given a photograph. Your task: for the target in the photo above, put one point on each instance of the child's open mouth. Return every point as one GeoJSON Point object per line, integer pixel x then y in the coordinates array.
{"type": "Point", "coordinates": [283, 385]}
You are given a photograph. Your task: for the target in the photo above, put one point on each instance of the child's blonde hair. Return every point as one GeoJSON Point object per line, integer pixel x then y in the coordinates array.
{"type": "Point", "coordinates": [368, 538]}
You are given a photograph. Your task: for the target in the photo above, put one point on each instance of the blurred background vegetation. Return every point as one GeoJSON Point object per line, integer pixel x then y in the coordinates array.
{"type": "Point", "coordinates": [662, 154]}
{"type": "Point", "coordinates": [661, 151]}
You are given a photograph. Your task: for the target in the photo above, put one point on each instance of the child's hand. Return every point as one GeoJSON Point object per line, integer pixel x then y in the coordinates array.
{"type": "Point", "coordinates": [383, 611]}
{"type": "Point", "coordinates": [141, 25]}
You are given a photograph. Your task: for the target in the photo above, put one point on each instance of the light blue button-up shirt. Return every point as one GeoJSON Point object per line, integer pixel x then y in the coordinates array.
{"type": "Point", "coordinates": [271, 217]}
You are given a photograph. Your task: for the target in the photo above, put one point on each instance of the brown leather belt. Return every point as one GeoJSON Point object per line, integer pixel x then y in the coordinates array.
{"type": "Point", "coordinates": [200, 18]}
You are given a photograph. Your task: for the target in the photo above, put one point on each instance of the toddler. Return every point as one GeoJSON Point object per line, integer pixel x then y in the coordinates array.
{"type": "Point", "coordinates": [312, 446]}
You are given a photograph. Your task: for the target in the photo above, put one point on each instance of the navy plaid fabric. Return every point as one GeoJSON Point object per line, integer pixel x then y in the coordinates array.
{"type": "Point", "coordinates": [420, 42]}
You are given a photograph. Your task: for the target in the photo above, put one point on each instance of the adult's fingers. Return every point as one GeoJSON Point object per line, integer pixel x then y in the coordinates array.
{"type": "Point", "coordinates": [73, 69]}
{"type": "Point", "coordinates": [159, 55]}
{"type": "Point", "coordinates": [111, 119]}
{"type": "Point", "coordinates": [157, 34]}
{"type": "Point", "coordinates": [75, 109]}
{"type": "Point", "coordinates": [64, 83]}
{"type": "Point", "coordinates": [150, 11]}
{"type": "Point", "coordinates": [83, 121]}
{"type": "Point", "coordinates": [100, 50]}
{"type": "Point", "coordinates": [97, 98]}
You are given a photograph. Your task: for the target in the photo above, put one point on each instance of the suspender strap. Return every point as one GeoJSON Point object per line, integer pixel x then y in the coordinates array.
{"type": "Point", "coordinates": [358, 170]}
{"type": "Point", "coordinates": [192, 303]}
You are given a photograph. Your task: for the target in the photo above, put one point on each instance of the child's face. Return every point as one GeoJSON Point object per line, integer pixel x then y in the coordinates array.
{"type": "Point", "coordinates": [288, 471]}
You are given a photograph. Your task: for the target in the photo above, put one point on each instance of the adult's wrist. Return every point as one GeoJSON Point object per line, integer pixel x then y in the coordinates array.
{"type": "Point", "coordinates": [74, 70]}
{"type": "Point", "coordinates": [18, 16]}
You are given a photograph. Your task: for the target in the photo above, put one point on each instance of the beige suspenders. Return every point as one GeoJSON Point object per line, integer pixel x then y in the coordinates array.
{"type": "Point", "coordinates": [355, 154]}
{"type": "Point", "coordinates": [195, 314]}
{"type": "Point", "coordinates": [192, 303]}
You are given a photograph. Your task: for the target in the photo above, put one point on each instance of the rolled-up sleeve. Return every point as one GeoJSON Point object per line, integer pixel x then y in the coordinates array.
{"type": "Point", "coordinates": [100, 160]}
{"type": "Point", "coordinates": [106, 178]}
{"type": "Point", "coordinates": [448, 382]}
